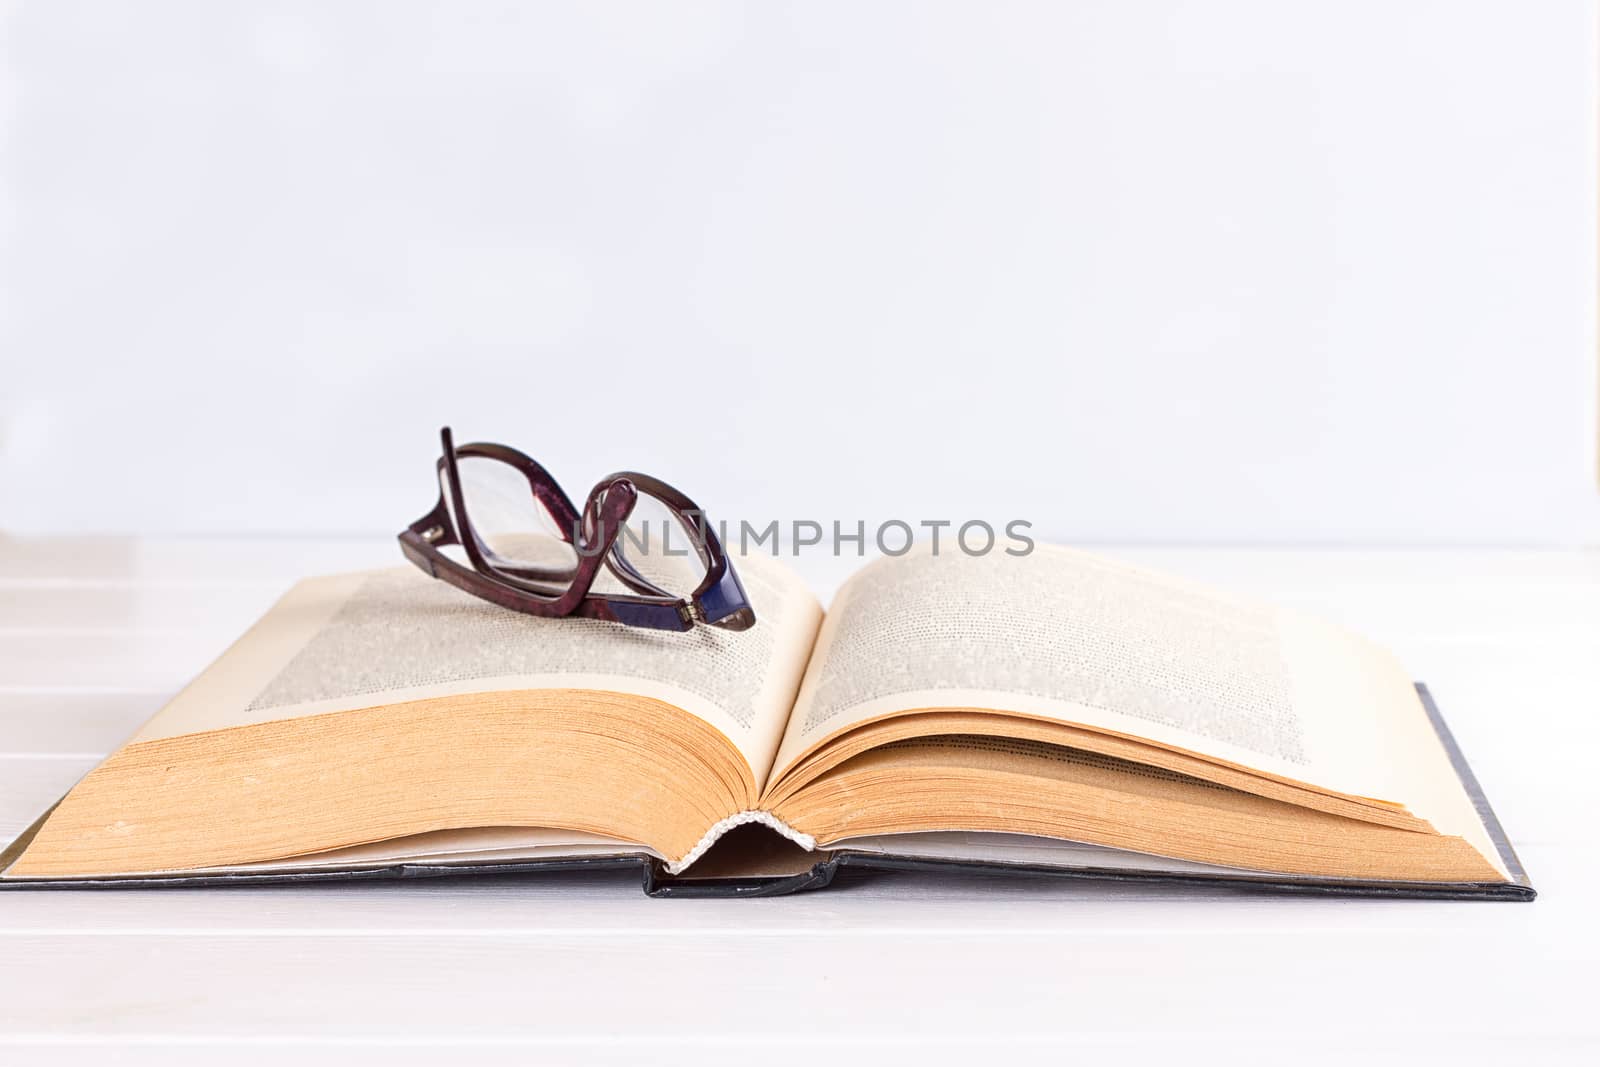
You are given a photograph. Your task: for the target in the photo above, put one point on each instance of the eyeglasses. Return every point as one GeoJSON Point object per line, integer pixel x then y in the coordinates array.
{"type": "Point", "coordinates": [531, 551]}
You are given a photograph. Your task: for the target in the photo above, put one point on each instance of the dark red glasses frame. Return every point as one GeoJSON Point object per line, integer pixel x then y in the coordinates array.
{"type": "Point", "coordinates": [719, 600]}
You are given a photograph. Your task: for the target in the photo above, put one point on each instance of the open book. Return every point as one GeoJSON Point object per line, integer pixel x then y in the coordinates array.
{"type": "Point", "coordinates": [1057, 711]}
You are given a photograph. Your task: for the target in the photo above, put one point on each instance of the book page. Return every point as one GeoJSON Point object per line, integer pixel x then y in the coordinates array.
{"type": "Point", "coordinates": [383, 637]}
{"type": "Point", "coordinates": [1076, 638]}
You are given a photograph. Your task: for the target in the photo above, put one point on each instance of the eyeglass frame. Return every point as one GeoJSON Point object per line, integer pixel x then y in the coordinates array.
{"type": "Point", "coordinates": [719, 600]}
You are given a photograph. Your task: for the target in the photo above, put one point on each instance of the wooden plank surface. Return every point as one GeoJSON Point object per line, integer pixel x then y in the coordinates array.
{"type": "Point", "coordinates": [96, 633]}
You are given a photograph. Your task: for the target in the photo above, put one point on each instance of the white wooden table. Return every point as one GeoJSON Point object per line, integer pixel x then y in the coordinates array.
{"type": "Point", "coordinates": [95, 634]}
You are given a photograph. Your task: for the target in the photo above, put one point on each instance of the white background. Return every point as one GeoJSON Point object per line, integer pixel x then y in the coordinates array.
{"type": "Point", "coordinates": [1315, 271]}
{"type": "Point", "coordinates": [1217, 271]}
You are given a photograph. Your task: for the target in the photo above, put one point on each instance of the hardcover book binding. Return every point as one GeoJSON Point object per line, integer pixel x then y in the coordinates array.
{"type": "Point", "coordinates": [755, 862]}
